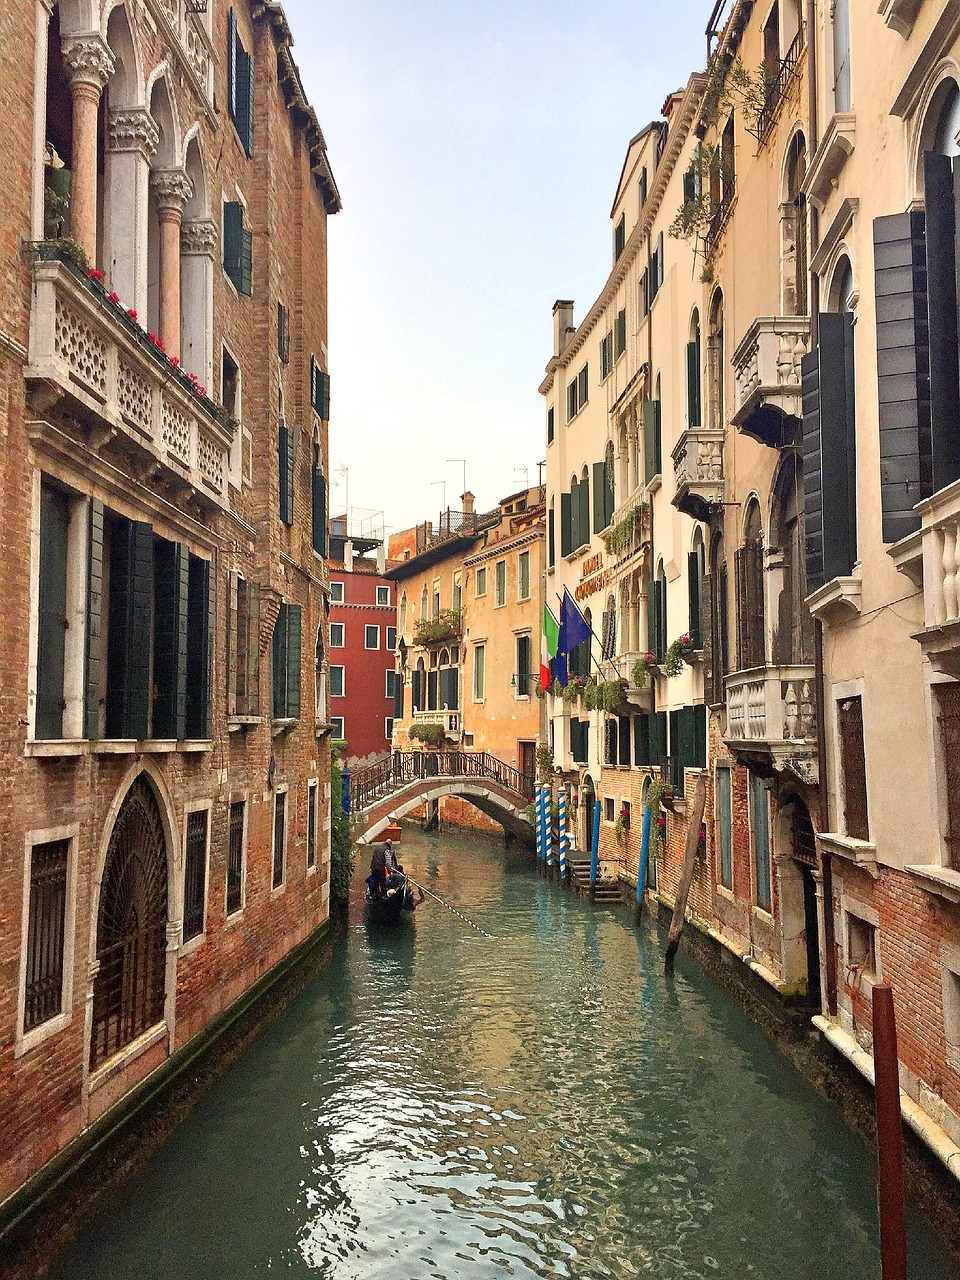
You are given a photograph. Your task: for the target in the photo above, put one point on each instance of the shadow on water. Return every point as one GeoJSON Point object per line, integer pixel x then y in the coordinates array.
{"type": "Point", "coordinates": [542, 1102]}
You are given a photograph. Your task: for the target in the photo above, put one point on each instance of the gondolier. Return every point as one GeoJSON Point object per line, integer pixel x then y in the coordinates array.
{"type": "Point", "coordinates": [378, 869]}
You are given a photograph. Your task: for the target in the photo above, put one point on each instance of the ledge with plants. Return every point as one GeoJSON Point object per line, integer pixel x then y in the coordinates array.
{"type": "Point", "coordinates": [445, 626]}
{"type": "Point", "coordinates": [622, 536]}
{"type": "Point", "coordinates": [432, 735]}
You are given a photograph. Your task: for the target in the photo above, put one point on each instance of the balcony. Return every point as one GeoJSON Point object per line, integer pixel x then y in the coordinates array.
{"type": "Point", "coordinates": [769, 403]}
{"type": "Point", "coordinates": [772, 719]}
{"type": "Point", "coordinates": [88, 354]}
{"type": "Point", "coordinates": [934, 559]}
{"type": "Point", "coordinates": [621, 668]}
{"type": "Point", "coordinates": [185, 22]}
{"type": "Point", "coordinates": [698, 472]}
{"type": "Point", "coordinates": [629, 529]}
{"type": "Point", "coordinates": [777, 90]}
{"type": "Point", "coordinates": [447, 724]}
{"type": "Point", "coordinates": [445, 628]}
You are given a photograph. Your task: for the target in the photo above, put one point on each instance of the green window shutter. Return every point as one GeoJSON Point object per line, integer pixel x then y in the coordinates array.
{"type": "Point", "coordinates": [566, 522]}
{"type": "Point", "coordinates": [93, 649]}
{"type": "Point", "coordinates": [232, 239]}
{"type": "Point", "coordinates": [171, 586]}
{"type": "Point", "coordinates": [200, 626]}
{"type": "Point", "coordinates": [294, 647]}
{"type": "Point", "coordinates": [283, 333]}
{"type": "Point", "coordinates": [662, 615]}
{"type": "Point", "coordinates": [280, 664]}
{"type": "Point", "coordinates": [641, 741]}
{"type": "Point", "coordinates": [652, 637]}
{"type": "Point", "coordinates": [244, 78]}
{"type": "Point", "coordinates": [286, 663]}
{"type": "Point", "coordinates": [582, 387]}
{"type": "Point", "coordinates": [450, 688]}
{"type": "Point", "coordinates": [128, 660]}
{"type": "Point", "coordinates": [623, 740]}
{"type": "Point", "coordinates": [584, 522]}
{"type": "Point", "coordinates": [651, 439]}
{"type": "Point", "coordinates": [599, 497]}
{"type": "Point", "coordinates": [658, 737]}
{"type": "Point", "coordinates": [676, 758]}
{"type": "Point", "coordinates": [708, 624]}
{"type": "Point", "coordinates": [695, 589]}
{"type": "Point", "coordinates": [551, 538]}
{"type": "Point", "coordinates": [432, 690]}
{"type": "Point", "coordinates": [693, 384]}
{"type": "Point", "coordinates": [234, 628]}
{"type": "Point", "coordinates": [51, 639]}
{"type": "Point", "coordinates": [699, 737]}
{"type": "Point", "coordinates": [285, 464]}
{"type": "Point", "coordinates": [324, 409]}
{"type": "Point", "coordinates": [725, 807]}
{"type": "Point", "coordinates": [620, 338]}
{"type": "Point", "coordinates": [319, 390]}
{"type": "Point", "coordinates": [246, 262]}
{"type": "Point", "coordinates": [575, 539]}
{"type": "Point", "coordinates": [319, 511]}
{"type": "Point", "coordinates": [398, 687]}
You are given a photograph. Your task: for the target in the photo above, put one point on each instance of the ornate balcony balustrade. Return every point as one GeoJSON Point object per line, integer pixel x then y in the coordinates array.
{"type": "Point", "coordinates": [933, 558]}
{"type": "Point", "coordinates": [768, 377]}
{"type": "Point", "coordinates": [186, 20]}
{"type": "Point", "coordinates": [623, 667]}
{"type": "Point", "coordinates": [771, 712]}
{"type": "Point", "coordinates": [84, 351]}
{"type": "Point", "coordinates": [629, 529]}
{"type": "Point", "coordinates": [448, 721]}
{"type": "Point", "coordinates": [698, 472]}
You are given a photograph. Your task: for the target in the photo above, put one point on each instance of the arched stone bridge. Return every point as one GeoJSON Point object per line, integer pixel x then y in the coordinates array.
{"type": "Point", "coordinates": [406, 780]}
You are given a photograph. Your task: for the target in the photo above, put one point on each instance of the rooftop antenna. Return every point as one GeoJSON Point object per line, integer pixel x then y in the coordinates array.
{"type": "Point", "coordinates": [526, 475]}
{"type": "Point", "coordinates": [540, 466]}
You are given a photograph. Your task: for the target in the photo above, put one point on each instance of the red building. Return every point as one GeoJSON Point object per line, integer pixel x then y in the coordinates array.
{"type": "Point", "coordinates": [363, 637]}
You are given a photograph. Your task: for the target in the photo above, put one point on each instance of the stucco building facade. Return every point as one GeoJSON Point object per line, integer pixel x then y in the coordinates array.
{"type": "Point", "coordinates": [164, 194]}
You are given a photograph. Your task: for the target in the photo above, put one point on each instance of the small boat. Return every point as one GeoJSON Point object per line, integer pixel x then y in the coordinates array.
{"type": "Point", "coordinates": [391, 909]}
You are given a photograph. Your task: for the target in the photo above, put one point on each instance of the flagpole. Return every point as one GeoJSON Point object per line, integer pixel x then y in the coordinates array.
{"type": "Point", "coordinates": [595, 660]}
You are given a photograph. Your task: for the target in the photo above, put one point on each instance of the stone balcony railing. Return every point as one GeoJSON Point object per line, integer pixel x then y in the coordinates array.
{"type": "Point", "coordinates": [629, 528]}
{"type": "Point", "coordinates": [771, 711]}
{"type": "Point", "coordinates": [449, 721]}
{"type": "Point", "coordinates": [186, 20]}
{"type": "Point", "coordinates": [937, 551]}
{"type": "Point", "coordinates": [87, 353]}
{"type": "Point", "coordinates": [621, 668]}
{"type": "Point", "coordinates": [698, 472]}
{"type": "Point", "coordinates": [768, 379]}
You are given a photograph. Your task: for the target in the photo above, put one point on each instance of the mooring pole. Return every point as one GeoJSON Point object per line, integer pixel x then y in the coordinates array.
{"type": "Point", "coordinates": [538, 818]}
{"type": "Point", "coordinates": [644, 862]}
{"type": "Point", "coordinates": [595, 847]}
{"type": "Point", "coordinates": [893, 1226]}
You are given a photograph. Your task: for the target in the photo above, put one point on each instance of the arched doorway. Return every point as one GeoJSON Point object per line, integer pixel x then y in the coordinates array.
{"type": "Point", "coordinates": [130, 986]}
{"type": "Point", "coordinates": [799, 870]}
{"type": "Point", "coordinates": [588, 798]}
{"type": "Point", "coordinates": [805, 857]}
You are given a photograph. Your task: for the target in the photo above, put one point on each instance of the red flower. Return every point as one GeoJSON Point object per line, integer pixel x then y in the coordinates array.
{"type": "Point", "coordinates": [201, 391]}
{"type": "Point", "coordinates": [651, 658]}
{"type": "Point", "coordinates": [94, 274]}
{"type": "Point", "coordinates": [175, 361]}
{"type": "Point", "coordinates": [131, 313]}
{"type": "Point", "coordinates": [114, 298]}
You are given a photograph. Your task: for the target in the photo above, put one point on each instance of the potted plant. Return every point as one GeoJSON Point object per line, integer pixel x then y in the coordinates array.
{"type": "Point", "coordinates": [673, 659]}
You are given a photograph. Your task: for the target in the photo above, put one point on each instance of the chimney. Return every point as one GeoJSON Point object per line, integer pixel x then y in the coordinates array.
{"type": "Point", "coordinates": [468, 500]}
{"type": "Point", "coordinates": [381, 558]}
{"type": "Point", "coordinates": [563, 328]}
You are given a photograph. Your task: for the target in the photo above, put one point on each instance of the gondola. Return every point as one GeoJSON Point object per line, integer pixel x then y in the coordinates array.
{"type": "Point", "coordinates": [396, 906]}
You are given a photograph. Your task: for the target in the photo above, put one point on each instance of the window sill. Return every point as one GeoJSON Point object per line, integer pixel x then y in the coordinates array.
{"type": "Point", "coordinates": [279, 891]}
{"type": "Point", "coordinates": [38, 1035]}
{"type": "Point", "coordinates": [129, 1053]}
{"type": "Point", "coordinates": [860, 852]}
{"type": "Point", "coordinates": [59, 748]}
{"type": "Point", "coordinates": [282, 724]}
{"type": "Point", "coordinates": [653, 484]}
{"type": "Point", "coordinates": [942, 882]}
{"type": "Point", "coordinates": [234, 723]}
{"type": "Point", "coordinates": [192, 944]}
{"type": "Point", "coordinates": [837, 601]}
{"type": "Point", "coordinates": [235, 917]}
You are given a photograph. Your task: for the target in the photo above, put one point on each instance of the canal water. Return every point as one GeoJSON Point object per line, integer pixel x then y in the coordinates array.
{"type": "Point", "coordinates": [542, 1102]}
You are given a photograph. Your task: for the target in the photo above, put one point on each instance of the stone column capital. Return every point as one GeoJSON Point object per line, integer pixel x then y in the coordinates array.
{"type": "Point", "coordinates": [198, 238]}
{"type": "Point", "coordinates": [172, 188]}
{"type": "Point", "coordinates": [134, 129]}
{"type": "Point", "coordinates": [88, 60]}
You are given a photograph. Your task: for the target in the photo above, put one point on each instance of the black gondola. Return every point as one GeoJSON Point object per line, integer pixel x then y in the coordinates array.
{"type": "Point", "coordinates": [398, 903]}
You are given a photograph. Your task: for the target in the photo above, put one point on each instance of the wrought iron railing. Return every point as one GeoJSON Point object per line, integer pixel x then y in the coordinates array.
{"type": "Point", "coordinates": [403, 767]}
{"type": "Point", "coordinates": [777, 88]}
{"type": "Point", "coordinates": [720, 211]}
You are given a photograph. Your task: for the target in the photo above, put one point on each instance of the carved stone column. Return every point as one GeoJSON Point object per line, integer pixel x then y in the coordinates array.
{"type": "Point", "coordinates": [198, 253]}
{"type": "Point", "coordinates": [89, 64]}
{"type": "Point", "coordinates": [173, 189]}
{"type": "Point", "coordinates": [133, 142]}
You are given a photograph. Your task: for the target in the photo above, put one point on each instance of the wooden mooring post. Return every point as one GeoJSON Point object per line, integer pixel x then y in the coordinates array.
{"type": "Point", "coordinates": [695, 818]}
{"type": "Point", "coordinates": [890, 1194]}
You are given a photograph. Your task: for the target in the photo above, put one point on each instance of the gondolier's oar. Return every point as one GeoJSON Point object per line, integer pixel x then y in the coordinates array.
{"type": "Point", "coordinates": [457, 913]}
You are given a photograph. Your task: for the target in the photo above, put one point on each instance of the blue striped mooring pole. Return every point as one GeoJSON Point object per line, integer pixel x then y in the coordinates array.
{"type": "Point", "coordinates": [538, 813]}
{"type": "Point", "coordinates": [562, 815]}
{"type": "Point", "coordinates": [644, 860]}
{"type": "Point", "coordinates": [548, 828]}
{"type": "Point", "coordinates": [595, 847]}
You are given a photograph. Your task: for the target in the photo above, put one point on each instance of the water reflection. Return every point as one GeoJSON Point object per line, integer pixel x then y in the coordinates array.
{"type": "Point", "coordinates": [541, 1103]}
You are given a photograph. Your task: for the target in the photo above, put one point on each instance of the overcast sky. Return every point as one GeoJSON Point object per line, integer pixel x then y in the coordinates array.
{"type": "Point", "coordinates": [477, 146]}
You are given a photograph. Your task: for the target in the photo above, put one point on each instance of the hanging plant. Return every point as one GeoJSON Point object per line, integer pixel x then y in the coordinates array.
{"type": "Point", "coordinates": [639, 671]}
{"type": "Point", "coordinates": [610, 694]}
{"type": "Point", "coordinates": [430, 734]}
{"type": "Point", "coordinates": [544, 762]}
{"type": "Point", "coordinates": [591, 695]}
{"type": "Point", "coordinates": [672, 663]}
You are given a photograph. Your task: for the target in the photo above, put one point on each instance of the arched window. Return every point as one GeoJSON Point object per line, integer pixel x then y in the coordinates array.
{"type": "Point", "coordinates": [197, 253]}
{"type": "Point", "coordinates": [424, 598]}
{"type": "Point", "coordinates": [793, 625]}
{"type": "Point", "coordinates": [651, 434]}
{"type": "Point", "coordinates": [696, 571]}
{"type": "Point", "coordinates": [715, 363]}
{"type": "Point", "coordinates": [715, 631]}
{"type": "Point", "coordinates": [793, 231]}
{"type": "Point", "coordinates": [608, 487]}
{"type": "Point", "coordinates": [320, 679]}
{"type": "Point", "coordinates": [402, 618]}
{"type": "Point", "coordinates": [419, 685]}
{"type": "Point", "coordinates": [130, 984]}
{"type": "Point", "coordinates": [584, 496]}
{"type": "Point", "coordinates": [608, 634]}
{"type": "Point", "coordinates": [694, 417]}
{"type": "Point", "coordinates": [751, 623]}
{"type": "Point", "coordinates": [841, 287]}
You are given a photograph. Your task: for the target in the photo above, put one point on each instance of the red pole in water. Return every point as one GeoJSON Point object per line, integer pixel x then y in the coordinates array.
{"type": "Point", "coordinates": [893, 1227]}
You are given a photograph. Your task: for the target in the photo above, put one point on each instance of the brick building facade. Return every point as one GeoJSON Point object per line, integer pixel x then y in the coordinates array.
{"type": "Point", "coordinates": [164, 815]}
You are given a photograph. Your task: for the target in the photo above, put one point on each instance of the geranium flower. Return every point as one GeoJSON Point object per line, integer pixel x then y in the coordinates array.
{"type": "Point", "coordinates": [175, 361]}
{"type": "Point", "coordinates": [131, 313]}
{"type": "Point", "coordinates": [94, 274]}
{"type": "Point", "coordinates": [114, 298]}
{"type": "Point", "coordinates": [651, 657]}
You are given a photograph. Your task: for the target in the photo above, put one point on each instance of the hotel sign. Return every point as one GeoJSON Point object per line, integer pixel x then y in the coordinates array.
{"type": "Point", "coordinates": [593, 577]}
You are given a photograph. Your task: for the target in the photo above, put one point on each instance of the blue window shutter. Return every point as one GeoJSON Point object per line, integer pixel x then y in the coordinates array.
{"type": "Point", "coordinates": [93, 653]}
{"type": "Point", "coordinates": [51, 638]}
{"type": "Point", "coordinates": [319, 511]}
{"type": "Point", "coordinates": [232, 239]}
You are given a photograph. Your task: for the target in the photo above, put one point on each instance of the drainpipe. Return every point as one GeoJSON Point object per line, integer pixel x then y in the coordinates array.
{"type": "Point", "coordinates": [823, 791]}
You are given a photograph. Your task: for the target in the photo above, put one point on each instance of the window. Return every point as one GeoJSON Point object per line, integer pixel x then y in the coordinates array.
{"type": "Point", "coordinates": [524, 676]}
{"type": "Point", "coordinates": [643, 188]}
{"type": "Point", "coordinates": [371, 637]}
{"type": "Point", "coordinates": [748, 565]}
{"type": "Point", "coordinates": [391, 684]}
{"type": "Point", "coordinates": [229, 383]}
{"type": "Point", "coordinates": [286, 663]}
{"type": "Point", "coordinates": [285, 451]}
{"type": "Point", "coordinates": [240, 81]}
{"type": "Point", "coordinates": [652, 448]}
{"type": "Point", "coordinates": [550, 427]}
{"type": "Point", "coordinates": [336, 635]}
{"type": "Point", "coordinates": [312, 793]}
{"type": "Point", "coordinates": [842, 94]}
{"type": "Point", "coordinates": [318, 502]}
{"type": "Point", "coordinates": [688, 743]}
{"type": "Point", "coordinates": [481, 582]}
{"type": "Point", "coordinates": [609, 808]}
{"type": "Point", "coordinates": [237, 248]}
{"type": "Point", "coordinates": [577, 393]}
{"type": "Point", "coordinates": [195, 873]}
{"type": "Point", "coordinates": [580, 740]}
{"type": "Point", "coordinates": [336, 593]}
{"type": "Point", "coordinates": [725, 821]}
{"type": "Point", "coordinates": [619, 237]}
{"type": "Point", "coordinates": [853, 768]}
{"type": "Point", "coordinates": [829, 421]}
{"type": "Point", "coordinates": [501, 581]}
{"type": "Point", "coordinates": [694, 418]}
{"type": "Point", "coordinates": [606, 355]}
{"type": "Point", "coordinates": [620, 334]}
{"type": "Point", "coordinates": [243, 659]}
{"type": "Point", "coordinates": [657, 617]}
{"type": "Point", "coordinates": [650, 739]}
{"type": "Point", "coordinates": [383, 595]}
{"type": "Point", "coordinates": [388, 728]}
{"type": "Point", "coordinates": [279, 838]}
{"type": "Point", "coordinates": [524, 575]}
{"type": "Point", "coordinates": [52, 626]}
{"type": "Point", "coordinates": [337, 682]}
{"type": "Point", "coordinates": [319, 391]}
{"type": "Point", "coordinates": [283, 333]}
{"type": "Point", "coordinates": [46, 916]}
{"type": "Point", "coordinates": [391, 643]}
{"type": "Point", "coordinates": [236, 851]}
{"type": "Point", "coordinates": [862, 947]}
{"type": "Point", "coordinates": [337, 722]}
{"type": "Point", "coordinates": [760, 826]}
{"type": "Point", "coordinates": [479, 672]}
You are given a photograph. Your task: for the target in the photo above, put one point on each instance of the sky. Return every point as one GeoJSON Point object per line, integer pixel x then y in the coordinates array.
{"type": "Point", "coordinates": [477, 146]}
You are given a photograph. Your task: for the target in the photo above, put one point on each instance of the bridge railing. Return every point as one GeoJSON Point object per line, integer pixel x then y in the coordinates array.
{"type": "Point", "coordinates": [377, 780]}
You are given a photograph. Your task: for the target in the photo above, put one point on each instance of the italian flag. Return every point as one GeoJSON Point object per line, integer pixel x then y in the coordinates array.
{"type": "Point", "coordinates": [549, 641]}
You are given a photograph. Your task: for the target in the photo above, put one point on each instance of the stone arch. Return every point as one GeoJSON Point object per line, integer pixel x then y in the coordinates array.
{"type": "Point", "coordinates": [841, 291]}
{"type": "Point", "coordinates": [793, 227]}
{"type": "Point", "coordinates": [939, 105]}
{"type": "Point", "coordinates": [163, 109]}
{"type": "Point", "coordinates": [795, 858]}
{"type": "Point", "coordinates": [786, 570]}
{"type": "Point", "coordinates": [133, 895]}
{"type": "Point", "coordinates": [125, 87]}
{"type": "Point", "coordinates": [198, 205]}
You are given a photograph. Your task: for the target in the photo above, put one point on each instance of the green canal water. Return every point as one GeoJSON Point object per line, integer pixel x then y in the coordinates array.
{"type": "Point", "coordinates": [438, 1104]}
